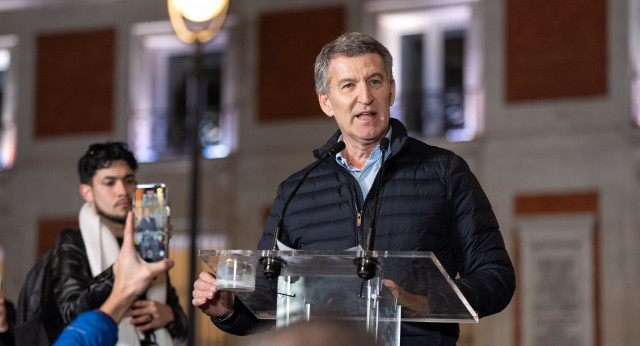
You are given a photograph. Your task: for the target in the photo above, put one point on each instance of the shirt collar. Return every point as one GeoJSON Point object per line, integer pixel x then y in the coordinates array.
{"type": "Point", "coordinates": [374, 157]}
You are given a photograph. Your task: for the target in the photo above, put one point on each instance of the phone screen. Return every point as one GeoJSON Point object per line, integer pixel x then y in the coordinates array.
{"type": "Point", "coordinates": [151, 212]}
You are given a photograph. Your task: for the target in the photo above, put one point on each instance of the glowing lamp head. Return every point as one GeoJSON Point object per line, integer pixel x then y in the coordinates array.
{"type": "Point", "coordinates": [197, 20]}
{"type": "Point", "coordinates": [199, 10]}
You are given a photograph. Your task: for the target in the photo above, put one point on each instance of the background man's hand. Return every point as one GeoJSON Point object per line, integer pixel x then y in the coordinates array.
{"type": "Point", "coordinates": [150, 314]}
{"type": "Point", "coordinates": [132, 275]}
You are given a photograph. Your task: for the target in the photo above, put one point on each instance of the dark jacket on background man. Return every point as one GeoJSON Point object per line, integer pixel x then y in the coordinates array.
{"type": "Point", "coordinates": [429, 201]}
{"type": "Point", "coordinates": [77, 291]}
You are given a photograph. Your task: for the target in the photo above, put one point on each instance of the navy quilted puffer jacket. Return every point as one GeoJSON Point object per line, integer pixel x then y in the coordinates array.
{"type": "Point", "coordinates": [430, 201]}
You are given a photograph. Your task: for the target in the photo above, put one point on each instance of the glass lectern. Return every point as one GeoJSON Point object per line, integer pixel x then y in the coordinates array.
{"type": "Point", "coordinates": [408, 286]}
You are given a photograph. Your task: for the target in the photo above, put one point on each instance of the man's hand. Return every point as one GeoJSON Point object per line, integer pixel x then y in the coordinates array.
{"type": "Point", "coordinates": [132, 275]}
{"type": "Point", "coordinates": [4, 325]}
{"type": "Point", "coordinates": [413, 305]}
{"type": "Point", "coordinates": [208, 299]}
{"type": "Point", "coordinates": [149, 314]}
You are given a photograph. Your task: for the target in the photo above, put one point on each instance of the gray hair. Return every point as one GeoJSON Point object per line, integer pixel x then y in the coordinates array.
{"type": "Point", "coordinates": [351, 44]}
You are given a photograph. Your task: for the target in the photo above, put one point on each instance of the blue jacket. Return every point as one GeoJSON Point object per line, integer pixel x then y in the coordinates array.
{"type": "Point", "coordinates": [92, 328]}
{"type": "Point", "coordinates": [429, 201]}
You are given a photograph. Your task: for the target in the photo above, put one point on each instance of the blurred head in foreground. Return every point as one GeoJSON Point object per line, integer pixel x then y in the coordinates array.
{"type": "Point", "coordinates": [319, 333]}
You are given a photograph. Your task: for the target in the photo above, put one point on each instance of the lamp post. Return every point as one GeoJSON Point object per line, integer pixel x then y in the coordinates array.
{"type": "Point", "coordinates": [195, 21]}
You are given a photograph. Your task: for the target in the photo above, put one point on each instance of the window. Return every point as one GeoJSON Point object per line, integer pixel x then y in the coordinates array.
{"type": "Point", "coordinates": [7, 102]}
{"type": "Point", "coordinates": [4, 66]}
{"type": "Point", "coordinates": [178, 112]}
{"type": "Point", "coordinates": [162, 86]}
{"type": "Point", "coordinates": [437, 66]}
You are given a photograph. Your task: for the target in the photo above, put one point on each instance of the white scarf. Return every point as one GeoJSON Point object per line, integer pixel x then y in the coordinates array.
{"type": "Point", "coordinates": [102, 251]}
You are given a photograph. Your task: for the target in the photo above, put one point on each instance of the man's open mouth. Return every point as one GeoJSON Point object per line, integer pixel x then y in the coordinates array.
{"type": "Point", "coordinates": [366, 115]}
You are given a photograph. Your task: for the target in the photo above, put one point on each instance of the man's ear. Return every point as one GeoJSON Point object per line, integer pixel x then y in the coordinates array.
{"type": "Point", "coordinates": [86, 191]}
{"type": "Point", "coordinates": [325, 104]}
{"type": "Point", "coordinates": [392, 97]}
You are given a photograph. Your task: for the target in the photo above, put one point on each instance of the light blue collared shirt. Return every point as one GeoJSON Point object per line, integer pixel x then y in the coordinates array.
{"type": "Point", "coordinates": [366, 176]}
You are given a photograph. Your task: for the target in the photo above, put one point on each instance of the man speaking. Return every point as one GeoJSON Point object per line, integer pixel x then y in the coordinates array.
{"type": "Point", "coordinates": [427, 198]}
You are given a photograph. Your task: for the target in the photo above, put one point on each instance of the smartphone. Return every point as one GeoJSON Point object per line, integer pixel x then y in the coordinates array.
{"type": "Point", "coordinates": [151, 212]}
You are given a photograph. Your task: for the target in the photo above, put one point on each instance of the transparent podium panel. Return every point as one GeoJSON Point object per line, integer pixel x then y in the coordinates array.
{"type": "Point", "coordinates": [367, 304]}
{"type": "Point", "coordinates": [408, 286]}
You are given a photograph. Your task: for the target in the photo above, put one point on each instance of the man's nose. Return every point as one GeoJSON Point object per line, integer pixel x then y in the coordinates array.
{"type": "Point", "coordinates": [121, 187]}
{"type": "Point", "coordinates": [364, 95]}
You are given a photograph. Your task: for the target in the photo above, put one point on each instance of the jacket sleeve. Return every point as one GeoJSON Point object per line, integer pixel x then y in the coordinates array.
{"type": "Point", "coordinates": [74, 288]}
{"type": "Point", "coordinates": [90, 328]}
{"type": "Point", "coordinates": [178, 328]}
{"type": "Point", "coordinates": [487, 277]}
{"type": "Point", "coordinates": [242, 321]}
{"type": "Point", "coordinates": [8, 337]}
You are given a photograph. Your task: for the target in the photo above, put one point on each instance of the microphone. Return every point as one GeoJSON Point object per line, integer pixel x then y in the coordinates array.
{"type": "Point", "coordinates": [366, 265]}
{"type": "Point", "coordinates": [273, 265]}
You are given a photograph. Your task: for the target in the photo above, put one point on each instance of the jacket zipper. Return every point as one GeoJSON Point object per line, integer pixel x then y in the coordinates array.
{"type": "Point", "coordinates": [355, 189]}
{"type": "Point", "coordinates": [368, 200]}
{"type": "Point", "coordinates": [359, 215]}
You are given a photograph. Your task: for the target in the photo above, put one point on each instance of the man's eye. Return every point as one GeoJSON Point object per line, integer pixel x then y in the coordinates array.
{"type": "Point", "coordinates": [347, 86]}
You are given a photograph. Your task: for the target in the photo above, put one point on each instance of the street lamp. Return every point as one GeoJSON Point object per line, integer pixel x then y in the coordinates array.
{"type": "Point", "coordinates": [195, 21]}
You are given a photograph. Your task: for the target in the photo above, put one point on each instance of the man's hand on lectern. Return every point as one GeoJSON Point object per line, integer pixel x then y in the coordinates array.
{"type": "Point", "coordinates": [412, 304]}
{"type": "Point", "coordinates": [209, 299]}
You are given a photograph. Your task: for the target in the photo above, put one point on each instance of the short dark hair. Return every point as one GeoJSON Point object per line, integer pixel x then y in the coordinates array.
{"type": "Point", "coordinates": [102, 155]}
{"type": "Point", "coordinates": [351, 44]}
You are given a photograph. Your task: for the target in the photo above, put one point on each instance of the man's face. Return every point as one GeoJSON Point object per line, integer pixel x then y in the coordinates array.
{"type": "Point", "coordinates": [360, 96]}
{"type": "Point", "coordinates": [110, 194]}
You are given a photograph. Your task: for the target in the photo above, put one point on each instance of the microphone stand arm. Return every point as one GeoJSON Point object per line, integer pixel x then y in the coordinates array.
{"type": "Point", "coordinates": [367, 266]}
{"type": "Point", "coordinates": [273, 265]}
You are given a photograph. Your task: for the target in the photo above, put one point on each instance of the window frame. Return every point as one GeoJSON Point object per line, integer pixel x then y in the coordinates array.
{"type": "Point", "coordinates": [152, 45]}
{"type": "Point", "coordinates": [8, 128]}
{"type": "Point", "coordinates": [374, 13]}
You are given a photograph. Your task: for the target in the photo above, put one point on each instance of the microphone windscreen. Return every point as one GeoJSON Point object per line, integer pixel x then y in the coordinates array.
{"type": "Point", "coordinates": [338, 147]}
{"type": "Point", "coordinates": [384, 143]}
